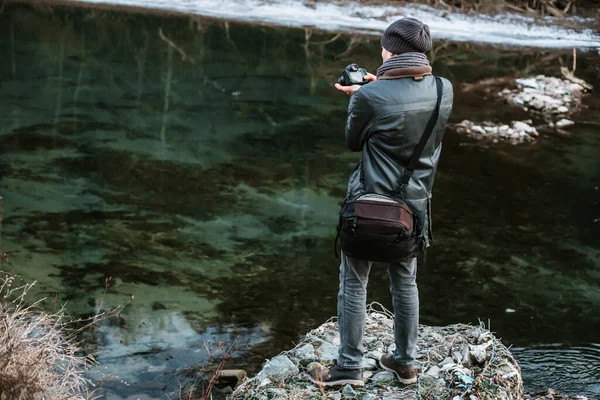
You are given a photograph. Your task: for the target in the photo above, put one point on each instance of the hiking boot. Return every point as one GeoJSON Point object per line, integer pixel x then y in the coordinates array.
{"type": "Point", "coordinates": [405, 374]}
{"type": "Point", "coordinates": [336, 376]}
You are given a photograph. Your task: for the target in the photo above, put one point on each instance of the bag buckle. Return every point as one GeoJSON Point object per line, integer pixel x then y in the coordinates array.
{"type": "Point", "coordinates": [398, 192]}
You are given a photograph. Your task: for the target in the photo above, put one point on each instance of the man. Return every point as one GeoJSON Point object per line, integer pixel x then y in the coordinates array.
{"type": "Point", "coordinates": [386, 119]}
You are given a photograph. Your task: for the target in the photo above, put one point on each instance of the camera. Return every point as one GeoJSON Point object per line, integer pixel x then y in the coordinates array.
{"type": "Point", "coordinates": [353, 75]}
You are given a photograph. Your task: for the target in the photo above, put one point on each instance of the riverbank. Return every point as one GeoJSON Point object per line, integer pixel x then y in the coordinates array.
{"type": "Point", "coordinates": [512, 29]}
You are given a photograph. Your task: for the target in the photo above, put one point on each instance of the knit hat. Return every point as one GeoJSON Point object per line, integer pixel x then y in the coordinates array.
{"type": "Point", "coordinates": [406, 35]}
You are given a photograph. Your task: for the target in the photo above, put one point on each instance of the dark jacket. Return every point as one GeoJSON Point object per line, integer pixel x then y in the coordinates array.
{"type": "Point", "coordinates": [386, 119]}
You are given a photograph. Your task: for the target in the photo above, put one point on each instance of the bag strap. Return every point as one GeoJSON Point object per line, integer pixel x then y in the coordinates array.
{"type": "Point", "coordinates": [410, 169]}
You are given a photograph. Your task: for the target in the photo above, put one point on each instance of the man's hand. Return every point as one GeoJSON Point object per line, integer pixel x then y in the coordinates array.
{"type": "Point", "coordinates": [351, 89]}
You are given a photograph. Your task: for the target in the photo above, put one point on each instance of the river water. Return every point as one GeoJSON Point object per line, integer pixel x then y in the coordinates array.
{"type": "Point", "coordinates": [198, 166]}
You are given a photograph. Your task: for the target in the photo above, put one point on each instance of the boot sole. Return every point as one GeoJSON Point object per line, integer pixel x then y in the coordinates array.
{"type": "Point", "coordinates": [341, 382]}
{"type": "Point", "coordinates": [402, 380]}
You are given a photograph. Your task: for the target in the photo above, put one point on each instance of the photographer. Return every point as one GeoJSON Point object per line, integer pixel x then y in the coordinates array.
{"type": "Point", "coordinates": [397, 119]}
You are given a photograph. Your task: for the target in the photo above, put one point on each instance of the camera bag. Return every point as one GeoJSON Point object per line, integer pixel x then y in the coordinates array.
{"type": "Point", "coordinates": [378, 227]}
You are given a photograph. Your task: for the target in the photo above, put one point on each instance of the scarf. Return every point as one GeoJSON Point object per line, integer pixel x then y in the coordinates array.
{"type": "Point", "coordinates": [412, 60]}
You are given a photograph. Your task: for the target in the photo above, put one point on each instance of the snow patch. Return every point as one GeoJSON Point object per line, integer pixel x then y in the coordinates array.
{"type": "Point", "coordinates": [506, 29]}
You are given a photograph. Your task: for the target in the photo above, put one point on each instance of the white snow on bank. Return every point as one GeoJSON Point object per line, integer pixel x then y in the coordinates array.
{"type": "Point", "coordinates": [506, 29]}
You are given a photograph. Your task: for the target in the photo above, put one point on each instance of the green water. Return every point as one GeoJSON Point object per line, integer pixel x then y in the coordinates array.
{"type": "Point", "coordinates": [204, 178]}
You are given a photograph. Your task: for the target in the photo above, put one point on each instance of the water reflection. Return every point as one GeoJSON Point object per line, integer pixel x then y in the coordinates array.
{"type": "Point", "coordinates": [205, 180]}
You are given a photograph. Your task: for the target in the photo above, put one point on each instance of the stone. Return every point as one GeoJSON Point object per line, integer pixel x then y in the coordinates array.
{"type": "Point", "coordinates": [367, 375]}
{"type": "Point", "coordinates": [375, 354]}
{"type": "Point", "coordinates": [383, 377]}
{"type": "Point", "coordinates": [429, 383]}
{"type": "Point", "coordinates": [446, 361]}
{"type": "Point", "coordinates": [537, 103]}
{"type": "Point", "coordinates": [335, 396]}
{"type": "Point", "coordinates": [265, 382]}
{"type": "Point", "coordinates": [369, 363]}
{"type": "Point", "coordinates": [562, 109]}
{"type": "Point", "coordinates": [306, 352]}
{"type": "Point", "coordinates": [327, 352]}
{"type": "Point", "coordinates": [348, 392]}
{"type": "Point", "coordinates": [563, 123]}
{"type": "Point", "coordinates": [433, 371]}
{"type": "Point", "coordinates": [391, 348]}
{"type": "Point", "coordinates": [529, 82]}
{"type": "Point", "coordinates": [276, 392]}
{"type": "Point", "coordinates": [369, 396]}
{"type": "Point", "coordinates": [478, 129]}
{"type": "Point", "coordinates": [278, 368]}
{"type": "Point", "coordinates": [479, 352]}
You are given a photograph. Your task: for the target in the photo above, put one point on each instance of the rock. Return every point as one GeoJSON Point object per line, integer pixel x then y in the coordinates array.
{"type": "Point", "coordinates": [522, 126]}
{"type": "Point", "coordinates": [429, 384]}
{"type": "Point", "coordinates": [433, 371]}
{"type": "Point", "coordinates": [348, 392]}
{"type": "Point", "coordinates": [335, 396]}
{"type": "Point", "coordinates": [369, 363]}
{"type": "Point", "coordinates": [327, 352]}
{"type": "Point", "coordinates": [273, 392]}
{"type": "Point", "coordinates": [562, 110]}
{"type": "Point", "coordinates": [278, 369]}
{"type": "Point", "coordinates": [370, 396]}
{"type": "Point", "coordinates": [265, 382]}
{"type": "Point", "coordinates": [367, 375]}
{"type": "Point", "coordinates": [563, 123]}
{"type": "Point", "coordinates": [375, 354]}
{"type": "Point", "coordinates": [383, 377]}
{"type": "Point", "coordinates": [537, 104]}
{"type": "Point", "coordinates": [479, 353]}
{"type": "Point", "coordinates": [478, 129]}
{"type": "Point", "coordinates": [530, 82]}
{"type": "Point", "coordinates": [446, 361]}
{"type": "Point", "coordinates": [306, 352]}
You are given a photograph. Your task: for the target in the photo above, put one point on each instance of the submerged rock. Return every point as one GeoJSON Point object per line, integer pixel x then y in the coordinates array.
{"type": "Point", "coordinates": [517, 132]}
{"type": "Point", "coordinates": [456, 360]}
{"type": "Point", "coordinates": [547, 96]}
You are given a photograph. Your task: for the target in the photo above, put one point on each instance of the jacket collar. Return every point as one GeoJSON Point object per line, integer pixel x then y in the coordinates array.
{"type": "Point", "coordinates": [412, 72]}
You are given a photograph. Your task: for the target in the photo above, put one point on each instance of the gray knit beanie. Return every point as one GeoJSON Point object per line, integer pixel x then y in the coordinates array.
{"type": "Point", "coordinates": [406, 35]}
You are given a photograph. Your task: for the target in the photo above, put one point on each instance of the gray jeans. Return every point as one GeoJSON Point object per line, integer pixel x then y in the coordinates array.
{"type": "Point", "coordinates": [352, 298]}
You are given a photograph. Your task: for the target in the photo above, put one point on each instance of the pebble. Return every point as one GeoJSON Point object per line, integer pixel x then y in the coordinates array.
{"type": "Point", "coordinates": [383, 377]}
{"type": "Point", "coordinates": [563, 123]}
{"type": "Point", "coordinates": [369, 363]}
{"type": "Point", "coordinates": [306, 352]}
{"type": "Point", "coordinates": [327, 352]}
{"type": "Point", "coordinates": [433, 371]}
{"type": "Point", "coordinates": [348, 392]}
{"type": "Point", "coordinates": [370, 396]}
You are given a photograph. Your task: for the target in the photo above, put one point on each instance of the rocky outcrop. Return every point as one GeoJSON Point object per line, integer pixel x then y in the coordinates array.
{"type": "Point", "coordinates": [516, 132]}
{"type": "Point", "coordinates": [455, 362]}
{"type": "Point", "coordinates": [552, 98]}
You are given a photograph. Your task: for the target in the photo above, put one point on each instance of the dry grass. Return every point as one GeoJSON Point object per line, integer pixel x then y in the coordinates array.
{"type": "Point", "coordinates": [38, 358]}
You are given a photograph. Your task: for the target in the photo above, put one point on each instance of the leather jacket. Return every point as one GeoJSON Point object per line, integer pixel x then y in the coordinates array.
{"type": "Point", "coordinates": [386, 119]}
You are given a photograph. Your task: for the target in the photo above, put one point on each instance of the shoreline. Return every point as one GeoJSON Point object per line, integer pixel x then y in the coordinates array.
{"type": "Point", "coordinates": [507, 29]}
